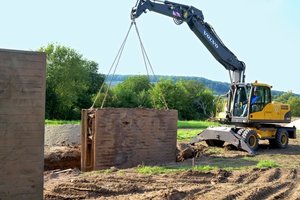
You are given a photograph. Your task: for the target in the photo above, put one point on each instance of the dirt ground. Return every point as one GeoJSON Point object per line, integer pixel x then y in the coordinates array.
{"type": "Point", "coordinates": [268, 183]}
{"type": "Point", "coordinates": [249, 182]}
{"type": "Point", "coordinates": [61, 157]}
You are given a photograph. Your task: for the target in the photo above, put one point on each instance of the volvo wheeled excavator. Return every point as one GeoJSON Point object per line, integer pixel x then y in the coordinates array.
{"type": "Point", "coordinates": [249, 114]}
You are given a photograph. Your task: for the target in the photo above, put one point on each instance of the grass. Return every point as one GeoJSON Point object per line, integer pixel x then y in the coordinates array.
{"type": "Point", "coordinates": [187, 134]}
{"type": "Point", "coordinates": [266, 164]}
{"type": "Point", "coordinates": [61, 122]}
{"type": "Point", "coordinates": [228, 164]}
{"type": "Point", "coordinates": [189, 129]}
{"type": "Point", "coordinates": [195, 124]}
{"type": "Point", "coordinates": [165, 170]}
{"type": "Point", "coordinates": [215, 150]}
{"type": "Point", "coordinates": [156, 170]}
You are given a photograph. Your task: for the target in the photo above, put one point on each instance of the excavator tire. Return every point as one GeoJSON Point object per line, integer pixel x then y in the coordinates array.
{"type": "Point", "coordinates": [215, 143]}
{"type": "Point", "coordinates": [281, 139]}
{"type": "Point", "coordinates": [251, 138]}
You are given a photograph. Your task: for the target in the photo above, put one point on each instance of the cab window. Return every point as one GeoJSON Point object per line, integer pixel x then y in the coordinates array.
{"type": "Point", "coordinates": [260, 97]}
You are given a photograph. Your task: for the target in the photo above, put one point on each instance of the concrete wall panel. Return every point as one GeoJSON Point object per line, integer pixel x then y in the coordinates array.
{"type": "Point", "coordinates": [22, 110]}
{"type": "Point", "coordinates": [129, 137]}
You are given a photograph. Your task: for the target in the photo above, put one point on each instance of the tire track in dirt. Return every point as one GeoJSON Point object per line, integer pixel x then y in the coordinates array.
{"type": "Point", "coordinates": [254, 184]}
{"type": "Point", "coordinates": [258, 184]}
{"type": "Point", "coordinates": [263, 192]}
{"type": "Point", "coordinates": [294, 193]}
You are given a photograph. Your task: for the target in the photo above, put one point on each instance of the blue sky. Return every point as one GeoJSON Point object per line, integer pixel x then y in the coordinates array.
{"type": "Point", "coordinates": [262, 33]}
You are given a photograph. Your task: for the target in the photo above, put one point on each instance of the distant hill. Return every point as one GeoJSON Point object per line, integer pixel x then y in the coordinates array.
{"type": "Point", "coordinates": [217, 87]}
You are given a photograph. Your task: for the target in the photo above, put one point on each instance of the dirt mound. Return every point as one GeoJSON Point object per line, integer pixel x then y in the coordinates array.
{"type": "Point", "coordinates": [61, 157]}
{"type": "Point", "coordinates": [254, 184]}
{"type": "Point", "coordinates": [186, 151]}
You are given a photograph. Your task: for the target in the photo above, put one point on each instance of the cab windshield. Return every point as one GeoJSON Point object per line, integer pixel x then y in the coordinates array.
{"type": "Point", "coordinates": [241, 100]}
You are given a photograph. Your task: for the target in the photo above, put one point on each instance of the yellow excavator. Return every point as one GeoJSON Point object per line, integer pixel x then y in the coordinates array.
{"type": "Point", "coordinates": [249, 113]}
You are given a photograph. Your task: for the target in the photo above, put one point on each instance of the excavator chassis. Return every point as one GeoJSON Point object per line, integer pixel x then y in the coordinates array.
{"type": "Point", "coordinates": [241, 137]}
{"type": "Point", "coordinates": [225, 134]}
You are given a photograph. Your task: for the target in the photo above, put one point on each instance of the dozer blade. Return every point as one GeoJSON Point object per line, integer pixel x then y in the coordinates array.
{"type": "Point", "coordinates": [225, 134]}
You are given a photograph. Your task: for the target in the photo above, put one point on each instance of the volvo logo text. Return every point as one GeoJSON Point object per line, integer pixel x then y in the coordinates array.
{"type": "Point", "coordinates": [211, 40]}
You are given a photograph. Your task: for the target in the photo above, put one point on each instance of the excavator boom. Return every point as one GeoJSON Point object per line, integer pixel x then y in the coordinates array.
{"type": "Point", "coordinates": [195, 20]}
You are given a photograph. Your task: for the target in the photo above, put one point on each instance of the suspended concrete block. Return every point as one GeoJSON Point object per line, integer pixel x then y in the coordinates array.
{"type": "Point", "coordinates": [22, 111]}
{"type": "Point", "coordinates": [125, 138]}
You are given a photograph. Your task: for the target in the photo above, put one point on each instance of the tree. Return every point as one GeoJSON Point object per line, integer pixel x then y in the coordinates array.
{"type": "Point", "coordinates": [190, 98]}
{"type": "Point", "coordinates": [293, 100]}
{"type": "Point", "coordinates": [132, 93]}
{"type": "Point", "coordinates": [199, 100]}
{"type": "Point", "coordinates": [295, 106]}
{"type": "Point", "coordinates": [71, 82]}
{"type": "Point", "coordinates": [284, 97]}
{"type": "Point", "coordinates": [166, 91]}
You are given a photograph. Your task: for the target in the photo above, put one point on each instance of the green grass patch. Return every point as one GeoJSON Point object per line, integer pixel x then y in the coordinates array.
{"type": "Point", "coordinates": [195, 124]}
{"type": "Point", "coordinates": [187, 134]}
{"type": "Point", "coordinates": [266, 164]}
{"type": "Point", "coordinates": [165, 170]}
{"type": "Point", "coordinates": [204, 168]}
{"type": "Point", "coordinates": [155, 170]}
{"type": "Point", "coordinates": [215, 150]}
{"type": "Point", "coordinates": [61, 122]}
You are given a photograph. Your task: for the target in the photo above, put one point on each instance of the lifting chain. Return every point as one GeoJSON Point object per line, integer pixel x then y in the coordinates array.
{"type": "Point", "coordinates": [116, 63]}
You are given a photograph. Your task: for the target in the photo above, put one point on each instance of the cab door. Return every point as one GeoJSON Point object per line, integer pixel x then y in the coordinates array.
{"type": "Point", "coordinates": [239, 104]}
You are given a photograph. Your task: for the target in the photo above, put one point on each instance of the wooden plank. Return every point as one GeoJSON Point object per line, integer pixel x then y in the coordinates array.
{"type": "Point", "coordinates": [83, 139]}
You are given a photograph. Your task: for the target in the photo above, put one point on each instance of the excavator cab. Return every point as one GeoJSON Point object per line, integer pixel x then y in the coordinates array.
{"type": "Point", "coordinates": [251, 103]}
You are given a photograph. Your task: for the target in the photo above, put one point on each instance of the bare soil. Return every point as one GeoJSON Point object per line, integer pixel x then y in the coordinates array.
{"type": "Point", "coordinates": [63, 180]}
{"type": "Point", "coordinates": [275, 183]}
{"type": "Point", "coordinates": [61, 157]}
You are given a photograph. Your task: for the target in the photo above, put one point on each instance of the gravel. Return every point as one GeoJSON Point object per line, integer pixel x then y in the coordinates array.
{"type": "Point", "coordinates": [68, 134]}
{"type": "Point", "coordinates": [295, 123]}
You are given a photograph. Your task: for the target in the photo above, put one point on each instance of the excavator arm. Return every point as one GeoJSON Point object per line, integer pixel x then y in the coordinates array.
{"type": "Point", "coordinates": [195, 20]}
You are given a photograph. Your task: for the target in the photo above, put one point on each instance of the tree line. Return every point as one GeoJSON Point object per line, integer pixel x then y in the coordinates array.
{"type": "Point", "coordinates": [72, 84]}
{"type": "Point", "coordinates": [192, 99]}
{"type": "Point", "coordinates": [219, 88]}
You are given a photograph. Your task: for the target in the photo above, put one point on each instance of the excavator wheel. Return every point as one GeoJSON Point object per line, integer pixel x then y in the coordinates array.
{"type": "Point", "coordinates": [281, 139]}
{"type": "Point", "coordinates": [215, 143]}
{"type": "Point", "coordinates": [251, 138]}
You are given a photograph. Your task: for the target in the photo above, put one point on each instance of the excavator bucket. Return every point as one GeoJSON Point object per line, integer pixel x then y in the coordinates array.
{"type": "Point", "coordinates": [225, 134]}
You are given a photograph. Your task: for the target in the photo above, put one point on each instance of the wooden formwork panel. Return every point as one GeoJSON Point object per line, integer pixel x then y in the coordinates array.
{"type": "Point", "coordinates": [128, 137]}
{"type": "Point", "coordinates": [22, 110]}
